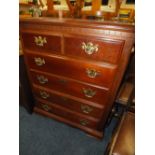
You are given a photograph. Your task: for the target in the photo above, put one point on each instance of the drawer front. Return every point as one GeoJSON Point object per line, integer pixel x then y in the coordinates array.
{"type": "Point", "coordinates": [42, 43]}
{"type": "Point", "coordinates": [65, 101]}
{"type": "Point", "coordinates": [80, 119]}
{"type": "Point", "coordinates": [96, 49]}
{"type": "Point", "coordinates": [76, 89]}
{"type": "Point", "coordinates": [86, 72]}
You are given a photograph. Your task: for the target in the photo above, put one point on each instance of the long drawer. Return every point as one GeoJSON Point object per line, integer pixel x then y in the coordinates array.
{"type": "Point", "coordinates": [99, 49]}
{"type": "Point", "coordinates": [87, 92]}
{"type": "Point", "coordinates": [100, 74]}
{"type": "Point", "coordinates": [70, 115]}
{"type": "Point", "coordinates": [42, 43]}
{"type": "Point", "coordinates": [87, 108]}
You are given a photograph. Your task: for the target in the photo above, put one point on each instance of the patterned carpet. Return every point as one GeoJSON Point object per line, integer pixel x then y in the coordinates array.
{"type": "Point", "coordinates": [43, 136]}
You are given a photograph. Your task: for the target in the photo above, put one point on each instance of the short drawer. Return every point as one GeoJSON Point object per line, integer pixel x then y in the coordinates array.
{"type": "Point", "coordinates": [63, 112]}
{"type": "Point", "coordinates": [76, 89]}
{"type": "Point", "coordinates": [42, 43]}
{"type": "Point", "coordinates": [101, 75]}
{"type": "Point", "coordinates": [87, 108]}
{"type": "Point", "coordinates": [93, 48]}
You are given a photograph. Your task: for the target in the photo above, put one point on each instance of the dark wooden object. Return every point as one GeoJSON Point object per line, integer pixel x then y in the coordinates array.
{"type": "Point", "coordinates": [123, 141]}
{"type": "Point", "coordinates": [25, 93]}
{"type": "Point", "coordinates": [126, 92]}
{"type": "Point", "coordinates": [84, 67]}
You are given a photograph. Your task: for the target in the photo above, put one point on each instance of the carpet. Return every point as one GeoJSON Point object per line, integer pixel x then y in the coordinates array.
{"type": "Point", "coordinates": [39, 135]}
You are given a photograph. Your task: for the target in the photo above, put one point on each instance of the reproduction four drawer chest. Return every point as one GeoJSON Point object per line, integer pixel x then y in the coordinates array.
{"type": "Point", "coordinates": [75, 68]}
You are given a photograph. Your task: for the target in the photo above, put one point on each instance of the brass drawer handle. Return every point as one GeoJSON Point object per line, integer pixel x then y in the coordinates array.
{"type": "Point", "coordinates": [84, 122]}
{"type": "Point", "coordinates": [86, 109]}
{"type": "Point", "coordinates": [44, 94]}
{"type": "Point", "coordinates": [89, 48]}
{"type": "Point", "coordinates": [46, 107]}
{"type": "Point", "coordinates": [92, 73]}
{"type": "Point", "coordinates": [42, 79]}
{"type": "Point", "coordinates": [89, 92]}
{"type": "Point", "coordinates": [39, 61]}
{"type": "Point", "coordinates": [40, 41]}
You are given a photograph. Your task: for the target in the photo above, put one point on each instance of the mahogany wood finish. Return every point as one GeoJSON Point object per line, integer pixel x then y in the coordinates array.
{"type": "Point", "coordinates": [68, 114]}
{"type": "Point", "coordinates": [108, 50]}
{"type": "Point", "coordinates": [76, 89]}
{"type": "Point", "coordinates": [70, 102]}
{"type": "Point", "coordinates": [52, 45]}
{"type": "Point", "coordinates": [69, 85]}
{"type": "Point", "coordinates": [62, 66]}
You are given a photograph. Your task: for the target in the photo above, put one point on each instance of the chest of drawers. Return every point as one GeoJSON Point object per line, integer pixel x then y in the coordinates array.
{"type": "Point", "coordinates": [75, 68]}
